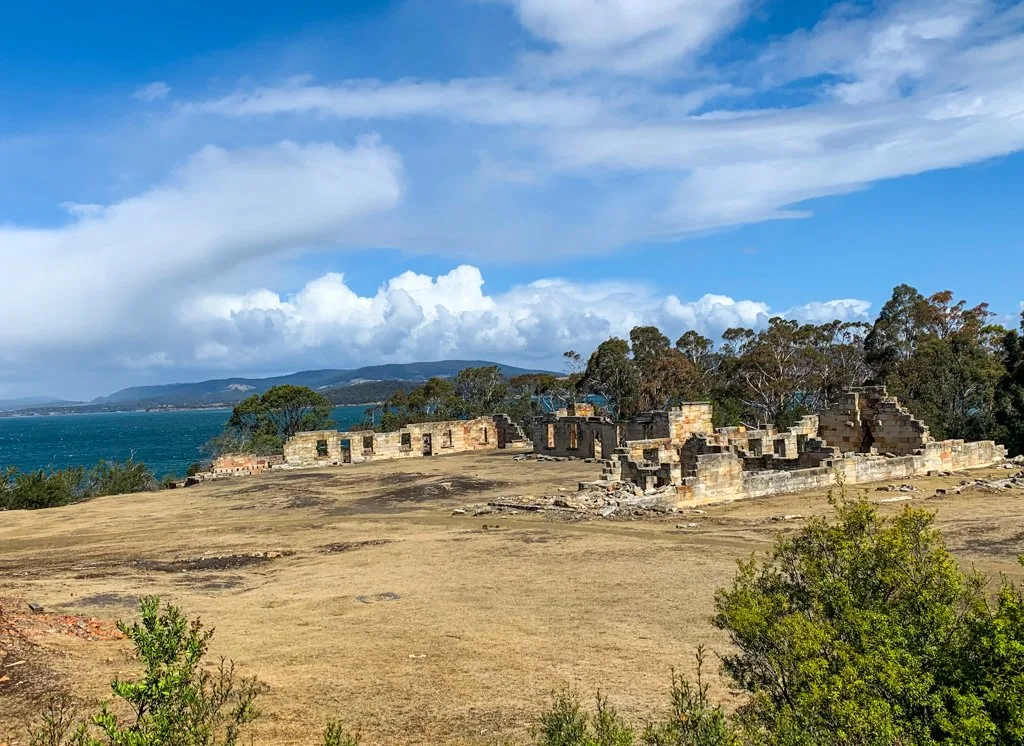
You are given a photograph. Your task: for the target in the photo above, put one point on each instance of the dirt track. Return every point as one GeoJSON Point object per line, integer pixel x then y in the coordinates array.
{"type": "Point", "coordinates": [354, 592]}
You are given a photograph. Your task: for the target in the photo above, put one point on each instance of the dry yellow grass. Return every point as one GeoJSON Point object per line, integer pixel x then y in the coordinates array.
{"type": "Point", "coordinates": [487, 622]}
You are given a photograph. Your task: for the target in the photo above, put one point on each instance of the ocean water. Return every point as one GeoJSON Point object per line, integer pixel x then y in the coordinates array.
{"type": "Point", "coordinates": [166, 441]}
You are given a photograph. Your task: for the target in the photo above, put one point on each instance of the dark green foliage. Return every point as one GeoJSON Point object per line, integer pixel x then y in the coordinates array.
{"type": "Point", "coordinates": [367, 392]}
{"type": "Point", "coordinates": [112, 478]}
{"type": "Point", "coordinates": [866, 631]}
{"type": "Point", "coordinates": [1009, 396]}
{"type": "Point", "coordinates": [566, 724]}
{"type": "Point", "coordinates": [474, 392]}
{"type": "Point", "coordinates": [335, 734]}
{"type": "Point", "coordinates": [612, 374]}
{"type": "Point", "coordinates": [58, 487]}
{"type": "Point", "coordinates": [692, 720]}
{"type": "Point", "coordinates": [262, 423]}
{"type": "Point", "coordinates": [860, 631]}
{"type": "Point", "coordinates": [176, 702]}
{"type": "Point", "coordinates": [40, 489]}
{"type": "Point", "coordinates": [942, 358]}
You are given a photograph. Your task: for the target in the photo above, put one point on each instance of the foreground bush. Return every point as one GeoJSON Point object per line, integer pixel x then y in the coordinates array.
{"type": "Point", "coordinates": [52, 489]}
{"type": "Point", "coordinates": [176, 702]}
{"type": "Point", "coordinates": [861, 631]}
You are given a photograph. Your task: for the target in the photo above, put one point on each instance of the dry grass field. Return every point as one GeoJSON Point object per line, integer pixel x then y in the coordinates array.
{"type": "Point", "coordinates": [486, 621]}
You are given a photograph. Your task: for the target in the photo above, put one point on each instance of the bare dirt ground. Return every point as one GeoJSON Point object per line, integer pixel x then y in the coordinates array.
{"type": "Point", "coordinates": [355, 593]}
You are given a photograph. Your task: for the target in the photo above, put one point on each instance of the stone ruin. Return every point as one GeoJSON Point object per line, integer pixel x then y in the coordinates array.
{"type": "Point", "coordinates": [334, 447]}
{"type": "Point", "coordinates": [867, 436]}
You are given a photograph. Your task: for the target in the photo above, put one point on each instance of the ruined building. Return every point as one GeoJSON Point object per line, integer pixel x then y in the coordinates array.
{"type": "Point", "coordinates": [331, 447]}
{"type": "Point", "coordinates": [867, 436]}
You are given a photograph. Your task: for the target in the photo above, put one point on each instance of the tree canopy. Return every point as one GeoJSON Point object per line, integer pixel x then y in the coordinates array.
{"type": "Point", "coordinates": [261, 423]}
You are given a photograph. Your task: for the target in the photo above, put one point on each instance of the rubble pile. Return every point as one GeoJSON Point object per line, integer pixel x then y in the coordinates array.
{"type": "Point", "coordinates": [606, 501]}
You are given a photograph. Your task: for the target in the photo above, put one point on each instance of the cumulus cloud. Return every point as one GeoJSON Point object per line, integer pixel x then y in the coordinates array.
{"type": "Point", "coordinates": [104, 274]}
{"type": "Point", "coordinates": [155, 91]}
{"type": "Point", "coordinates": [416, 317]}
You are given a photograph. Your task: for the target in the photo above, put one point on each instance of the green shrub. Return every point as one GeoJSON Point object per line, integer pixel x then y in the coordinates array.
{"type": "Point", "coordinates": [691, 721]}
{"type": "Point", "coordinates": [112, 478]}
{"type": "Point", "coordinates": [40, 489]}
{"type": "Point", "coordinates": [176, 702]}
{"type": "Point", "coordinates": [35, 490]}
{"type": "Point", "coordinates": [866, 631]}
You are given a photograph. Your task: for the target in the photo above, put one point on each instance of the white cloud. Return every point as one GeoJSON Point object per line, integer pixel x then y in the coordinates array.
{"type": "Point", "coordinates": [481, 101]}
{"type": "Point", "coordinates": [625, 36]}
{"type": "Point", "coordinates": [910, 87]}
{"type": "Point", "coordinates": [155, 91]}
{"type": "Point", "coordinates": [417, 317]}
{"type": "Point", "coordinates": [104, 275]}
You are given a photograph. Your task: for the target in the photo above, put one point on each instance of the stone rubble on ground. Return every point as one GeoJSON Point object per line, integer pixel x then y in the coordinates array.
{"type": "Point", "coordinates": [621, 500]}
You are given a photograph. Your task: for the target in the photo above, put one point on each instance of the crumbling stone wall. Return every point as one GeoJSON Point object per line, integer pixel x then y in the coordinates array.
{"type": "Point", "coordinates": [237, 464]}
{"type": "Point", "coordinates": [737, 462]}
{"type": "Point", "coordinates": [332, 447]}
{"type": "Point", "coordinates": [574, 436]}
{"type": "Point", "coordinates": [868, 420]}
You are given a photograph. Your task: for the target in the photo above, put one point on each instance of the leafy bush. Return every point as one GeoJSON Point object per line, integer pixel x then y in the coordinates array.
{"type": "Point", "coordinates": [861, 631]}
{"type": "Point", "coordinates": [867, 631]}
{"type": "Point", "coordinates": [692, 720]}
{"type": "Point", "coordinates": [112, 478]}
{"type": "Point", "coordinates": [176, 702]}
{"type": "Point", "coordinates": [39, 489]}
{"type": "Point", "coordinates": [58, 487]}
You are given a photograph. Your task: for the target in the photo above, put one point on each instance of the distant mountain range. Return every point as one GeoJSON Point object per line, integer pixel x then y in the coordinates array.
{"type": "Point", "coordinates": [7, 405]}
{"type": "Point", "coordinates": [373, 379]}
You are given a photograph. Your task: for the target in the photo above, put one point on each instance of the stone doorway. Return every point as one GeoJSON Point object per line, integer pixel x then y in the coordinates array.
{"type": "Point", "coordinates": [428, 445]}
{"type": "Point", "coordinates": [346, 451]}
{"type": "Point", "coordinates": [598, 448]}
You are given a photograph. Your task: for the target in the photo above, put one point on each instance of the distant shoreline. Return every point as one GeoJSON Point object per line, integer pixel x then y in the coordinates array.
{"type": "Point", "coordinates": [82, 410]}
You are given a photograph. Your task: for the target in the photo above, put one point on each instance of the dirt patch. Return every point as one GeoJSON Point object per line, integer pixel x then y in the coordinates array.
{"type": "Point", "coordinates": [439, 488]}
{"type": "Point", "coordinates": [107, 600]}
{"type": "Point", "coordinates": [224, 562]}
{"type": "Point", "coordinates": [347, 546]}
{"type": "Point", "coordinates": [25, 678]}
{"type": "Point", "coordinates": [214, 583]}
{"type": "Point", "coordinates": [994, 545]}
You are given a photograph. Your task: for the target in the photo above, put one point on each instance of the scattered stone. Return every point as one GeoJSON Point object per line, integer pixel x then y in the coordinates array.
{"type": "Point", "coordinates": [484, 510]}
{"type": "Point", "coordinates": [378, 597]}
{"type": "Point", "coordinates": [894, 499]}
{"type": "Point", "coordinates": [608, 510]}
{"type": "Point", "coordinates": [35, 608]}
{"type": "Point", "coordinates": [459, 511]}
{"type": "Point", "coordinates": [790, 517]}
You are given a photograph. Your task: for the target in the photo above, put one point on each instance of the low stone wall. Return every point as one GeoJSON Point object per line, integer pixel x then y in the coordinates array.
{"type": "Point", "coordinates": [721, 476]}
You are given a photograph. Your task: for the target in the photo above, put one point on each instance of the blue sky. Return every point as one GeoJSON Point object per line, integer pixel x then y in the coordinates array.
{"type": "Point", "coordinates": [228, 188]}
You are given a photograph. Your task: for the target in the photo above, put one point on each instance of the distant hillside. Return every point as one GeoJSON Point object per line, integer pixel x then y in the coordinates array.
{"type": "Point", "coordinates": [366, 392]}
{"type": "Point", "coordinates": [7, 405]}
{"type": "Point", "coordinates": [230, 390]}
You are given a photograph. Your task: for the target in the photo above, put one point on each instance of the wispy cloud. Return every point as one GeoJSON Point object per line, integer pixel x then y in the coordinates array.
{"type": "Point", "coordinates": [154, 91]}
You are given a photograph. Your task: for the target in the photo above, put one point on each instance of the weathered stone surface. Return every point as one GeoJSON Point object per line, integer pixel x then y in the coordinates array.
{"type": "Point", "coordinates": [678, 448]}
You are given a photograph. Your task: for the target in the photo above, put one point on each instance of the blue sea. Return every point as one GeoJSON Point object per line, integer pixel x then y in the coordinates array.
{"type": "Point", "coordinates": [166, 441]}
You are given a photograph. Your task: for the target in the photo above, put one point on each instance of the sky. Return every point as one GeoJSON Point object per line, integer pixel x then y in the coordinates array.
{"type": "Point", "coordinates": [198, 190]}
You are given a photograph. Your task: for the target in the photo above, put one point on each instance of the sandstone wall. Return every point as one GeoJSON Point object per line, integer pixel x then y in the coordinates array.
{"type": "Point", "coordinates": [329, 447]}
